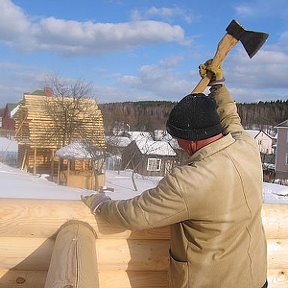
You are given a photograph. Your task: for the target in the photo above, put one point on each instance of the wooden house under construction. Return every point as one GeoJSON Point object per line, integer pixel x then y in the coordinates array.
{"type": "Point", "coordinates": [44, 123]}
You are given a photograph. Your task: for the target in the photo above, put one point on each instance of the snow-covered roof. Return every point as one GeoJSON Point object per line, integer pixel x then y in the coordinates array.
{"type": "Point", "coordinates": [78, 150]}
{"type": "Point", "coordinates": [151, 147]}
{"type": "Point", "coordinates": [253, 133]}
{"type": "Point", "coordinates": [119, 141]}
{"type": "Point", "coordinates": [137, 135]}
{"type": "Point", "coordinates": [283, 124]}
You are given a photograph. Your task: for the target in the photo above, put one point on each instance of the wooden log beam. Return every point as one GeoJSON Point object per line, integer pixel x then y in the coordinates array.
{"type": "Point", "coordinates": [73, 262]}
{"type": "Point", "coordinates": [118, 279]}
{"type": "Point", "coordinates": [112, 254]}
{"type": "Point", "coordinates": [27, 217]}
{"type": "Point", "coordinates": [22, 279]}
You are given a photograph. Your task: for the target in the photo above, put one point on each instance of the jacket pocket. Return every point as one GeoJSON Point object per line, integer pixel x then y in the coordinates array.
{"type": "Point", "coordinates": [178, 273]}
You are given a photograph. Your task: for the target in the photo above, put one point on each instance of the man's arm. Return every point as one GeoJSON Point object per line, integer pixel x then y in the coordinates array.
{"type": "Point", "coordinates": [227, 109]}
{"type": "Point", "coordinates": [157, 207]}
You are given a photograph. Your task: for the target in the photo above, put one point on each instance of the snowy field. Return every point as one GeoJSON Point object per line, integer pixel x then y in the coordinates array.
{"type": "Point", "coordinates": [15, 183]}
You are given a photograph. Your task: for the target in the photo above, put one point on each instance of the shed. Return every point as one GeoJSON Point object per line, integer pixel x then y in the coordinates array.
{"type": "Point", "coordinates": [149, 157]}
{"type": "Point", "coordinates": [39, 134]}
{"type": "Point", "coordinates": [281, 161]}
{"type": "Point", "coordinates": [81, 165]}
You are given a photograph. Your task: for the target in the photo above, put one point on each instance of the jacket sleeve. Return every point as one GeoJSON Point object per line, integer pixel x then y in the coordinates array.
{"type": "Point", "coordinates": [227, 109]}
{"type": "Point", "coordinates": [157, 207]}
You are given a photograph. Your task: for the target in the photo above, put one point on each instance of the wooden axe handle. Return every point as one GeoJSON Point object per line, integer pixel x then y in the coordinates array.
{"type": "Point", "coordinates": [223, 48]}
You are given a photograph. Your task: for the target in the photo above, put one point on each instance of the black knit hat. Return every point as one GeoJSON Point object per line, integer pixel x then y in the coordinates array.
{"type": "Point", "coordinates": [194, 118]}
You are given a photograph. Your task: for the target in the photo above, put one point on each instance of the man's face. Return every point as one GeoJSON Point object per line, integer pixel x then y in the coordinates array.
{"type": "Point", "coordinates": [188, 145]}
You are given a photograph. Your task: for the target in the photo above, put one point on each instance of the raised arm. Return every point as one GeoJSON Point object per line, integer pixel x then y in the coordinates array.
{"type": "Point", "coordinates": [227, 108]}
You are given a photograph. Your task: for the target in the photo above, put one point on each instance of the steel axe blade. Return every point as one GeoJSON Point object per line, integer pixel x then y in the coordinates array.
{"type": "Point", "coordinates": [252, 42]}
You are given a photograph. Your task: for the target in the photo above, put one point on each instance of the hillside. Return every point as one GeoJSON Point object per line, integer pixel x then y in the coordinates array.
{"type": "Point", "coordinates": [151, 115]}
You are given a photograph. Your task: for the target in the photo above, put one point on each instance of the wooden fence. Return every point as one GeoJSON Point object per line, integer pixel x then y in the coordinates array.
{"type": "Point", "coordinates": [48, 243]}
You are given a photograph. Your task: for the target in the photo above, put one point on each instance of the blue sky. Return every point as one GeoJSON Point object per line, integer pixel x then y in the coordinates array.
{"type": "Point", "coordinates": [139, 50]}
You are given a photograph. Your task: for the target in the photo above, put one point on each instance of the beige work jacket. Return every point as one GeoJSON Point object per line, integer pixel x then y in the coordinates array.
{"type": "Point", "coordinates": [213, 205]}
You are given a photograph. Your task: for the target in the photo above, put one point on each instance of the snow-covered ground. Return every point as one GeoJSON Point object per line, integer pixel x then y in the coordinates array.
{"type": "Point", "coordinates": [15, 183]}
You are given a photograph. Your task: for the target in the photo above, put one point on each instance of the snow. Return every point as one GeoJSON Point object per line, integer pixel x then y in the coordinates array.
{"type": "Point", "coordinates": [151, 147]}
{"type": "Point", "coordinates": [18, 184]}
{"type": "Point", "coordinates": [78, 150]}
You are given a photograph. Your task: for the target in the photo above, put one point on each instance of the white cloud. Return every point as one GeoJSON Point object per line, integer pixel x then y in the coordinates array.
{"type": "Point", "coordinates": [13, 21]}
{"type": "Point", "coordinates": [160, 82]}
{"type": "Point", "coordinates": [73, 37]}
{"type": "Point", "coordinates": [166, 13]}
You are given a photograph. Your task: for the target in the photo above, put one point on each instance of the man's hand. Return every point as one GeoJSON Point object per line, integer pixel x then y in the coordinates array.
{"type": "Point", "coordinates": [216, 72]}
{"type": "Point", "coordinates": [94, 201]}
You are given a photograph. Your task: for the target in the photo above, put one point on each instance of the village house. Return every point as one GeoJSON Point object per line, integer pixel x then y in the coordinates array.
{"type": "Point", "coordinates": [7, 121]}
{"type": "Point", "coordinates": [264, 140]}
{"type": "Point", "coordinates": [40, 132]}
{"type": "Point", "coordinates": [281, 161]}
{"type": "Point", "coordinates": [149, 157]}
{"type": "Point", "coordinates": [115, 147]}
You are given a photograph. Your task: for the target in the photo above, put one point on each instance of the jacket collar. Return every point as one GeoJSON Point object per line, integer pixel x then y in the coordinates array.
{"type": "Point", "coordinates": [212, 148]}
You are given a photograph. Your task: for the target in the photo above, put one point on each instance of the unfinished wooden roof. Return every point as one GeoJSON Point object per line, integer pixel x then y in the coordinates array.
{"type": "Point", "coordinates": [39, 121]}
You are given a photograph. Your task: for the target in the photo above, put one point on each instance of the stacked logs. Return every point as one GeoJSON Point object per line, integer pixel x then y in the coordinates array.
{"type": "Point", "coordinates": [52, 243]}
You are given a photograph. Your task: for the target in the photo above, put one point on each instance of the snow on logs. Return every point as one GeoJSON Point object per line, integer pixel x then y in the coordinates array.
{"type": "Point", "coordinates": [41, 240]}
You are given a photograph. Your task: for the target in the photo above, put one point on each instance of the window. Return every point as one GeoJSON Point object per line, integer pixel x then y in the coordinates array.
{"type": "Point", "coordinates": [286, 159]}
{"type": "Point", "coordinates": [153, 164]}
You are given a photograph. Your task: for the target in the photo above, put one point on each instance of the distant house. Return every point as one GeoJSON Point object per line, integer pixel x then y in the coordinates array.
{"type": "Point", "coordinates": [40, 132]}
{"type": "Point", "coordinates": [265, 141]}
{"type": "Point", "coordinates": [1, 115]}
{"type": "Point", "coordinates": [81, 165]}
{"type": "Point", "coordinates": [149, 157]}
{"type": "Point", "coordinates": [281, 161]}
{"type": "Point", "coordinates": [7, 121]}
{"type": "Point", "coordinates": [115, 147]}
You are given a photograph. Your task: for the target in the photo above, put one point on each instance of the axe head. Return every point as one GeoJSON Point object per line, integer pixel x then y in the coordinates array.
{"type": "Point", "coordinates": [252, 41]}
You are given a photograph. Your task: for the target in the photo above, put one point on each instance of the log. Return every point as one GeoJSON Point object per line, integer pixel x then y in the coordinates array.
{"type": "Point", "coordinates": [133, 279]}
{"type": "Point", "coordinates": [21, 253]}
{"type": "Point", "coordinates": [28, 230]}
{"type": "Point", "coordinates": [73, 262]}
{"type": "Point", "coordinates": [22, 279]}
{"type": "Point", "coordinates": [27, 217]}
{"type": "Point", "coordinates": [112, 254]}
{"type": "Point", "coordinates": [118, 279]}
{"type": "Point", "coordinates": [277, 278]}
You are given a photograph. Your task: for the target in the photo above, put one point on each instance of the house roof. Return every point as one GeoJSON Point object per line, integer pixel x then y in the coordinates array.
{"type": "Point", "coordinates": [11, 106]}
{"type": "Point", "coordinates": [151, 147]}
{"type": "Point", "coordinates": [119, 141]}
{"type": "Point", "coordinates": [283, 124]}
{"type": "Point", "coordinates": [255, 133]}
{"type": "Point", "coordinates": [37, 127]}
{"type": "Point", "coordinates": [138, 135]}
{"type": "Point", "coordinates": [79, 150]}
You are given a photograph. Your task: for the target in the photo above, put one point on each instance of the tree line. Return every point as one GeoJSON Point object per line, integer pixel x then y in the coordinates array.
{"type": "Point", "coordinates": [152, 115]}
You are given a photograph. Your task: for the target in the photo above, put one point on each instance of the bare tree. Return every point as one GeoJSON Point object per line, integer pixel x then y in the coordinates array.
{"type": "Point", "coordinates": [69, 109]}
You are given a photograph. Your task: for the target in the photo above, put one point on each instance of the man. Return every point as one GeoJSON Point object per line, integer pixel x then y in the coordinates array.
{"type": "Point", "coordinates": [213, 203]}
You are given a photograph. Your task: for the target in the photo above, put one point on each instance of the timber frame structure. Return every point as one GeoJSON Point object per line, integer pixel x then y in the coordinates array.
{"type": "Point", "coordinates": [57, 244]}
{"type": "Point", "coordinates": [38, 135]}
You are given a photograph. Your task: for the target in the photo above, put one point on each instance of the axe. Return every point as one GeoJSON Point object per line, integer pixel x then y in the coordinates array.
{"type": "Point", "coordinates": [252, 42]}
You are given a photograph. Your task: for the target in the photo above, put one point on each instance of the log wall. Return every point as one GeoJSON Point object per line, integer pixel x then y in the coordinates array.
{"type": "Point", "coordinates": [28, 230]}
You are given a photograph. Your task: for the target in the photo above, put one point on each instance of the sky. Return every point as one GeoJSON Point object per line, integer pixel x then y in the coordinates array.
{"type": "Point", "coordinates": [139, 50]}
